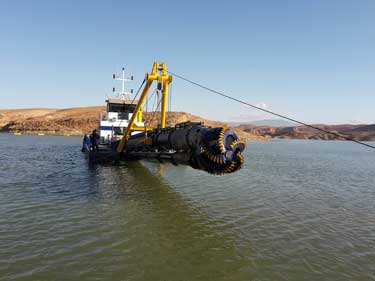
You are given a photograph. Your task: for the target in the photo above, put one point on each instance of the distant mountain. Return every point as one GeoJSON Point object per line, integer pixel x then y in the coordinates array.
{"type": "Point", "coordinates": [265, 122]}
{"type": "Point", "coordinates": [357, 132]}
{"type": "Point", "coordinates": [365, 128]}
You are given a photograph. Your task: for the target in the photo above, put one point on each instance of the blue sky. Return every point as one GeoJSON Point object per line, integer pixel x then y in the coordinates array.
{"type": "Point", "coordinates": [312, 60]}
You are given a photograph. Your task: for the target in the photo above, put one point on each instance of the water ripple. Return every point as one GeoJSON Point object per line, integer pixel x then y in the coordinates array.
{"type": "Point", "coordinates": [298, 210]}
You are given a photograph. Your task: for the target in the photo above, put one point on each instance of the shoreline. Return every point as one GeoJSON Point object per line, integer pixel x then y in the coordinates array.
{"type": "Point", "coordinates": [77, 121]}
{"type": "Point", "coordinates": [264, 139]}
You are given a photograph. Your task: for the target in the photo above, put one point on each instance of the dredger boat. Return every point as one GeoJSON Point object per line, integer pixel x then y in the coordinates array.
{"type": "Point", "coordinates": [123, 135]}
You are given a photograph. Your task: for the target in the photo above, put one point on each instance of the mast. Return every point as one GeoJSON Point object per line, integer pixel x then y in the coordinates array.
{"type": "Point", "coordinates": [122, 94]}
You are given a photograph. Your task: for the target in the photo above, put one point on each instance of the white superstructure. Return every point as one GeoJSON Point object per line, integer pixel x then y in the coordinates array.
{"type": "Point", "coordinates": [115, 119]}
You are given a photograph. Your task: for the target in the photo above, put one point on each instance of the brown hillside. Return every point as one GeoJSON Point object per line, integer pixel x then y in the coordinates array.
{"type": "Point", "coordinates": [357, 132]}
{"type": "Point", "coordinates": [80, 120]}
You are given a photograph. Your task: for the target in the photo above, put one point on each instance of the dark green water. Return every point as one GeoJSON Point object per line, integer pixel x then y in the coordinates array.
{"type": "Point", "coordinates": [299, 210]}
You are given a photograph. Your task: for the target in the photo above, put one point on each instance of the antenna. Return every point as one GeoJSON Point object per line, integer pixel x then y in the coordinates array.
{"type": "Point", "coordinates": [122, 94]}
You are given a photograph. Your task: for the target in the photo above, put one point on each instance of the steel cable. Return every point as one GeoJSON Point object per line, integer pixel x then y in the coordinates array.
{"type": "Point", "coordinates": [270, 112]}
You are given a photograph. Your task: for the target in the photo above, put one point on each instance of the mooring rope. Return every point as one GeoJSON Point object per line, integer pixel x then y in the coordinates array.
{"type": "Point", "coordinates": [270, 112]}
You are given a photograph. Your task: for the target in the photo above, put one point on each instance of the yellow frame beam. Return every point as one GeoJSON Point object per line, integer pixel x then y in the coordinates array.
{"type": "Point", "coordinates": [140, 128]}
{"type": "Point", "coordinates": [160, 74]}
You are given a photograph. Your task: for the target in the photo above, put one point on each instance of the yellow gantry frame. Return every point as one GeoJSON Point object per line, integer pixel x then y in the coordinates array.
{"type": "Point", "coordinates": [159, 73]}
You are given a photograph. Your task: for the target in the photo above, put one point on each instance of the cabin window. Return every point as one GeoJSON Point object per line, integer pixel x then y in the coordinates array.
{"type": "Point", "coordinates": [123, 116]}
{"type": "Point", "coordinates": [118, 130]}
{"type": "Point", "coordinates": [123, 108]}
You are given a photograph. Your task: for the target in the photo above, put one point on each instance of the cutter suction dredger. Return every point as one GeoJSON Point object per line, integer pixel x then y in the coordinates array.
{"type": "Point", "coordinates": [214, 150]}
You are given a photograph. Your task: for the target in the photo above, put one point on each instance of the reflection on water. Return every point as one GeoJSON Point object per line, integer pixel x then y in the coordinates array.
{"type": "Point", "coordinates": [297, 211]}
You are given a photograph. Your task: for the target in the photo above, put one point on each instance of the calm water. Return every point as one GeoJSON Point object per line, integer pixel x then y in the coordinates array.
{"type": "Point", "coordinates": [299, 210]}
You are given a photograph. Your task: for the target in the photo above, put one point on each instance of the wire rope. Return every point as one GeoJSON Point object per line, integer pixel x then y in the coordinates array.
{"type": "Point", "coordinates": [268, 111]}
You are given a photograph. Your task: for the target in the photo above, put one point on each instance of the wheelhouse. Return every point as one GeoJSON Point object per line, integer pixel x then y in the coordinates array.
{"type": "Point", "coordinates": [115, 120]}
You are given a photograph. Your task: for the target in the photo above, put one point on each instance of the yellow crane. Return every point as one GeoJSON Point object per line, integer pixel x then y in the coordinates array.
{"type": "Point", "coordinates": [158, 73]}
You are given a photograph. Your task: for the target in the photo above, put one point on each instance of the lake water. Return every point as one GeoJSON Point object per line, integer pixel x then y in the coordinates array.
{"type": "Point", "coordinates": [298, 210]}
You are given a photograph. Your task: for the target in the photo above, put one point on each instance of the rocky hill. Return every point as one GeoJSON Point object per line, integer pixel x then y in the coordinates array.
{"type": "Point", "coordinates": [357, 132]}
{"type": "Point", "coordinates": [80, 120]}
